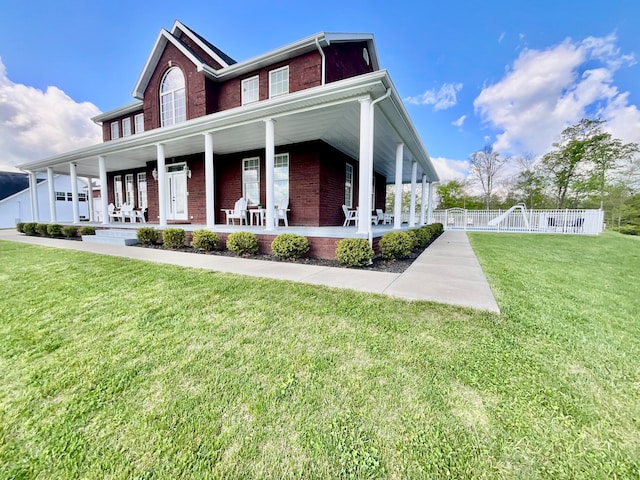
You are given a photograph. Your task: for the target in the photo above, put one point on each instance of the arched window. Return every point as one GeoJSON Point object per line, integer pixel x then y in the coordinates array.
{"type": "Point", "coordinates": [173, 107]}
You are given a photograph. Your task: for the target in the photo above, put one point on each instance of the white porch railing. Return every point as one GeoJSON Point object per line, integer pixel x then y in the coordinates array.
{"type": "Point", "coordinates": [519, 219]}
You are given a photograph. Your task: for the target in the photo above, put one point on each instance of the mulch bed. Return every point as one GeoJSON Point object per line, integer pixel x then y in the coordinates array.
{"type": "Point", "coordinates": [379, 264]}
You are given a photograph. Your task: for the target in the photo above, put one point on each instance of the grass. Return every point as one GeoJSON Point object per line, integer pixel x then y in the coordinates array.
{"type": "Point", "coordinates": [113, 368]}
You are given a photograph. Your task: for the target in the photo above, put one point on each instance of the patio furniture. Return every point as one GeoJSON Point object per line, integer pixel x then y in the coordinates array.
{"type": "Point", "coordinates": [281, 213]}
{"type": "Point", "coordinates": [238, 212]}
{"type": "Point", "coordinates": [349, 216]}
{"type": "Point", "coordinates": [126, 212]}
{"type": "Point", "coordinates": [383, 217]}
{"type": "Point", "coordinates": [115, 214]}
{"type": "Point", "coordinates": [256, 216]}
{"type": "Point", "coordinates": [138, 214]}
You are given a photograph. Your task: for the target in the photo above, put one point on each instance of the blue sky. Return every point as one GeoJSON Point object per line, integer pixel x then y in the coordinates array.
{"type": "Point", "coordinates": [512, 74]}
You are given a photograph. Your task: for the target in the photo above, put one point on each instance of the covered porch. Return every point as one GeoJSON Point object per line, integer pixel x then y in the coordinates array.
{"type": "Point", "coordinates": [361, 118]}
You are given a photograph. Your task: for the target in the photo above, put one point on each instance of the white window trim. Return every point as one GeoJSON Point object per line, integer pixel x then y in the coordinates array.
{"type": "Point", "coordinates": [125, 122]}
{"type": "Point", "coordinates": [244, 184]}
{"type": "Point", "coordinates": [115, 130]}
{"type": "Point", "coordinates": [255, 78]}
{"type": "Point", "coordinates": [273, 72]}
{"type": "Point", "coordinates": [348, 182]}
{"type": "Point", "coordinates": [117, 191]}
{"type": "Point", "coordinates": [172, 93]}
{"type": "Point", "coordinates": [136, 123]}
{"type": "Point", "coordinates": [142, 190]}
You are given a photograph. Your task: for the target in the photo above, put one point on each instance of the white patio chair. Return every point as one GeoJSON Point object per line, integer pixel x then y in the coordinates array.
{"type": "Point", "coordinates": [384, 218]}
{"type": "Point", "coordinates": [114, 215]}
{"type": "Point", "coordinates": [281, 213]}
{"type": "Point", "coordinates": [138, 215]}
{"type": "Point", "coordinates": [238, 212]}
{"type": "Point", "coordinates": [349, 216]}
{"type": "Point", "coordinates": [126, 212]}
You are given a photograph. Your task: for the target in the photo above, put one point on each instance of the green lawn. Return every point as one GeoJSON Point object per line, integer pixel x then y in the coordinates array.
{"type": "Point", "coordinates": [113, 368]}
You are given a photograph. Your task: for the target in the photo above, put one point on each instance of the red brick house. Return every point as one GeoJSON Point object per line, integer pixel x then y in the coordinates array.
{"type": "Point", "coordinates": [315, 123]}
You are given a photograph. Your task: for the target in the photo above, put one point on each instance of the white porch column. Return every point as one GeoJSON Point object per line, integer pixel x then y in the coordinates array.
{"type": "Point", "coordinates": [33, 195]}
{"type": "Point", "coordinates": [365, 167]}
{"type": "Point", "coordinates": [162, 185]}
{"type": "Point", "coordinates": [270, 154]}
{"type": "Point", "coordinates": [412, 207]}
{"type": "Point", "coordinates": [423, 196]}
{"type": "Point", "coordinates": [430, 209]}
{"type": "Point", "coordinates": [52, 196]}
{"type": "Point", "coordinates": [89, 198]}
{"type": "Point", "coordinates": [397, 206]}
{"type": "Point", "coordinates": [74, 192]}
{"type": "Point", "coordinates": [104, 190]}
{"type": "Point", "coordinates": [209, 180]}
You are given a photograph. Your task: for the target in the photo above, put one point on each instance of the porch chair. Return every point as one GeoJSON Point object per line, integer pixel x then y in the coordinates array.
{"type": "Point", "coordinates": [238, 212]}
{"type": "Point", "coordinates": [138, 215]}
{"type": "Point", "coordinates": [126, 211]}
{"type": "Point", "coordinates": [281, 213]}
{"type": "Point", "coordinates": [349, 216]}
{"type": "Point", "coordinates": [384, 218]}
{"type": "Point", "coordinates": [114, 215]}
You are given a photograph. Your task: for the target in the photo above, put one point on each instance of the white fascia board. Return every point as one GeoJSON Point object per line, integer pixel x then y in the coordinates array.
{"type": "Point", "coordinates": [419, 152]}
{"type": "Point", "coordinates": [118, 112]}
{"type": "Point", "coordinates": [154, 58]}
{"type": "Point", "coordinates": [179, 26]}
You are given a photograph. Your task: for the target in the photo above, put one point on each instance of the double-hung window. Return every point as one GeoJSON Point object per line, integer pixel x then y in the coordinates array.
{"type": "Point", "coordinates": [126, 127]}
{"type": "Point", "coordinates": [142, 190]}
{"type": "Point", "coordinates": [117, 191]}
{"type": "Point", "coordinates": [173, 108]}
{"type": "Point", "coordinates": [348, 186]}
{"type": "Point", "coordinates": [251, 180]}
{"type": "Point", "coordinates": [250, 87]}
{"type": "Point", "coordinates": [139, 122]}
{"type": "Point", "coordinates": [278, 82]}
{"type": "Point", "coordinates": [115, 130]}
{"type": "Point", "coordinates": [129, 192]}
{"type": "Point", "coordinates": [61, 196]}
{"type": "Point", "coordinates": [281, 179]}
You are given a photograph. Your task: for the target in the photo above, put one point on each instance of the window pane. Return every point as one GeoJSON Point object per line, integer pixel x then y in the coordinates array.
{"type": "Point", "coordinates": [250, 90]}
{"type": "Point", "coordinates": [251, 180]}
{"type": "Point", "coordinates": [115, 131]}
{"type": "Point", "coordinates": [142, 190]}
{"type": "Point", "coordinates": [173, 107]}
{"type": "Point", "coordinates": [139, 123]}
{"type": "Point", "coordinates": [126, 127]}
{"type": "Point", "coordinates": [279, 82]}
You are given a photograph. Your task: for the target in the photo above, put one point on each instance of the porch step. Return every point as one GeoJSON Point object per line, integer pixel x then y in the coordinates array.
{"type": "Point", "coordinates": [112, 237]}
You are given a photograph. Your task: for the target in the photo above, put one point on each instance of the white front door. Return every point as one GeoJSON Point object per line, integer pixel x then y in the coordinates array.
{"type": "Point", "coordinates": [176, 192]}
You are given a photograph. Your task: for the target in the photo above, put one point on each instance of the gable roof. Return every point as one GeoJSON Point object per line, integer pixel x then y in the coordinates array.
{"type": "Point", "coordinates": [230, 67]}
{"type": "Point", "coordinates": [12, 183]}
{"type": "Point", "coordinates": [165, 37]}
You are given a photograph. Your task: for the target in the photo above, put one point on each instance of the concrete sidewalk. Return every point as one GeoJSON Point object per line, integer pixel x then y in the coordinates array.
{"type": "Point", "coordinates": [447, 272]}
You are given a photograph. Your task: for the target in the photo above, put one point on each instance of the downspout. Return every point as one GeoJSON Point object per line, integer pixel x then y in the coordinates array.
{"type": "Point", "coordinates": [323, 61]}
{"type": "Point", "coordinates": [371, 139]}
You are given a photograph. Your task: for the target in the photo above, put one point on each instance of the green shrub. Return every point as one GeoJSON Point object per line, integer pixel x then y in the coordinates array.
{"type": "Point", "coordinates": [87, 231]}
{"type": "Point", "coordinates": [147, 235]}
{"type": "Point", "coordinates": [423, 235]}
{"type": "Point", "coordinates": [289, 245]}
{"type": "Point", "coordinates": [173, 238]}
{"type": "Point", "coordinates": [355, 252]}
{"type": "Point", "coordinates": [70, 231]}
{"type": "Point", "coordinates": [20, 227]}
{"type": "Point", "coordinates": [205, 240]}
{"type": "Point", "coordinates": [54, 230]}
{"type": "Point", "coordinates": [30, 228]}
{"type": "Point", "coordinates": [630, 229]}
{"type": "Point", "coordinates": [414, 238]}
{"type": "Point", "coordinates": [438, 228]}
{"type": "Point", "coordinates": [395, 245]}
{"type": "Point", "coordinates": [243, 243]}
{"type": "Point", "coordinates": [41, 228]}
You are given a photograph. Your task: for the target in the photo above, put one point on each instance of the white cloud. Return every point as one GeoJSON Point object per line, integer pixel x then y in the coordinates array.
{"type": "Point", "coordinates": [442, 99]}
{"type": "Point", "coordinates": [501, 37]}
{"type": "Point", "coordinates": [459, 122]}
{"type": "Point", "coordinates": [35, 124]}
{"type": "Point", "coordinates": [544, 91]}
{"type": "Point", "coordinates": [449, 169]}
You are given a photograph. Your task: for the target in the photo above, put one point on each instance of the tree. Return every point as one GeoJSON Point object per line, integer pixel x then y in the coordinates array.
{"type": "Point", "coordinates": [485, 166]}
{"type": "Point", "coordinates": [530, 184]}
{"type": "Point", "coordinates": [451, 194]}
{"type": "Point", "coordinates": [580, 161]}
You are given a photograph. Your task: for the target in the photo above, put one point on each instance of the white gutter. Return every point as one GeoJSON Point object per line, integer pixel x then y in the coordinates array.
{"type": "Point", "coordinates": [323, 60]}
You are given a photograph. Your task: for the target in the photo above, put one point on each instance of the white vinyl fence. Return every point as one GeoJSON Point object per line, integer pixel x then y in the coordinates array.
{"type": "Point", "coordinates": [519, 219]}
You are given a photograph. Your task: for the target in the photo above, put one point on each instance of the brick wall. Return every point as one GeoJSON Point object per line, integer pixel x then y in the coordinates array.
{"type": "Point", "coordinates": [345, 60]}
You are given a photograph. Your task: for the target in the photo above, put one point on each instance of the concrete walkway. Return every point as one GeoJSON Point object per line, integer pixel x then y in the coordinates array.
{"type": "Point", "coordinates": [447, 272]}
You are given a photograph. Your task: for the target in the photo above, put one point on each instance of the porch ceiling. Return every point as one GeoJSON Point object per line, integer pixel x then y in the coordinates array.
{"type": "Point", "coordinates": [333, 118]}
